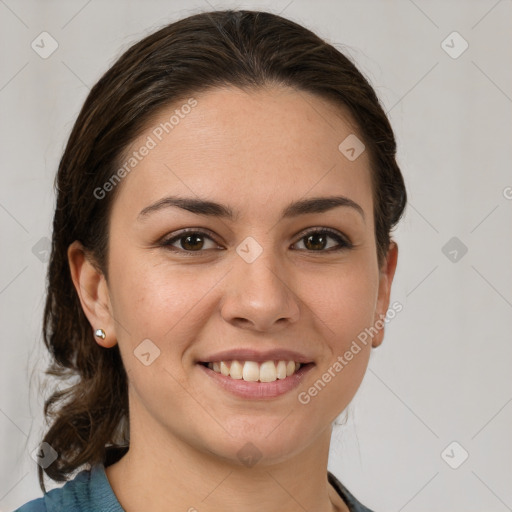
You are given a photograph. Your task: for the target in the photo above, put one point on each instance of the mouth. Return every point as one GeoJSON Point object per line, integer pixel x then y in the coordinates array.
{"type": "Point", "coordinates": [253, 371]}
{"type": "Point", "coordinates": [251, 380]}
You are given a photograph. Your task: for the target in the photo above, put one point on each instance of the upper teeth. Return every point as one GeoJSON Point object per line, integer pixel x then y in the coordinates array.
{"type": "Point", "coordinates": [251, 371]}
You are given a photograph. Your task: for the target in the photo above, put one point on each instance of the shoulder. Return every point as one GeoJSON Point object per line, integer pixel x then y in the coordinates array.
{"type": "Point", "coordinates": [88, 490]}
{"type": "Point", "coordinates": [36, 505]}
{"type": "Point", "coordinates": [352, 503]}
{"type": "Point", "coordinates": [71, 497]}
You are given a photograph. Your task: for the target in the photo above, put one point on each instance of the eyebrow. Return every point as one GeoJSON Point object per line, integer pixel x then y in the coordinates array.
{"type": "Point", "coordinates": [213, 209]}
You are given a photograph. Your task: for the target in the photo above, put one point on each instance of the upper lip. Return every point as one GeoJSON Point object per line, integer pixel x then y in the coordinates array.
{"type": "Point", "coordinates": [247, 354]}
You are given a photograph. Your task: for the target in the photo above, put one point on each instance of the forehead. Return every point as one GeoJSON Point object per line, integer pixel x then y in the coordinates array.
{"type": "Point", "coordinates": [247, 149]}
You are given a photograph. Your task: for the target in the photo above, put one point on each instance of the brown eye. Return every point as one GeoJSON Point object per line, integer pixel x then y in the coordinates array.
{"type": "Point", "coordinates": [189, 242]}
{"type": "Point", "coordinates": [317, 241]}
{"type": "Point", "coordinates": [192, 242]}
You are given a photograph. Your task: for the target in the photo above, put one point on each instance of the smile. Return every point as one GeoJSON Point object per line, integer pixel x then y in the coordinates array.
{"type": "Point", "coordinates": [251, 371]}
{"type": "Point", "coordinates": [252, 380]}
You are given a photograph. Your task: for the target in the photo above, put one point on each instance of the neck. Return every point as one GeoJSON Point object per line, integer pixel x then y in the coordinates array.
{"type": "Point", "coordinates": [163, 473]}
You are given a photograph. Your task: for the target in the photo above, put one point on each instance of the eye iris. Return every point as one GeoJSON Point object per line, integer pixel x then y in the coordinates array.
{"type": "Point", "coordinates": [196, 239]}
{"type": "Point", "coordinates": [317, 246]}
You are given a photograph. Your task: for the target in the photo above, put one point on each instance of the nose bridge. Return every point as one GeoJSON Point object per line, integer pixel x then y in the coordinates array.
{"type": "Point", "coordinates": [258, 291]}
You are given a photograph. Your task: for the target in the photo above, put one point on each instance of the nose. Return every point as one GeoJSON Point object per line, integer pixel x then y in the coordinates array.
{"type": "Point", "coordinates": [258, 295]}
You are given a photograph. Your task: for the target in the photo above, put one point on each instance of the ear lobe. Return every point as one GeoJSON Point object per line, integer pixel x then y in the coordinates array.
{"type": "Point", "coordinates": [387, 273]}
{"type": "Point", "coordinates": [91, 287]}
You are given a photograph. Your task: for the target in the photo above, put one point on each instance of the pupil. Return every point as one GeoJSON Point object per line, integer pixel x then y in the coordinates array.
{"type": "Point", "coordinates": [197, 244]}
{"type": "Point", "coordinates": [317, 246]}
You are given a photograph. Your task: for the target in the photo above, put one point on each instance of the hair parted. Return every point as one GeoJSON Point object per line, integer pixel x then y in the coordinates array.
{"type": "Point", "coordinates": [241, 48]}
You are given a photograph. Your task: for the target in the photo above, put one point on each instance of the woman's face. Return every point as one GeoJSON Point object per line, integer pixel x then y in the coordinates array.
{"type": "Point", "coordinates": [258, 281]}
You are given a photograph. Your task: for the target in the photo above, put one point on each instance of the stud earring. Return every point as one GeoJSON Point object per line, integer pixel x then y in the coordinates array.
{"type": "Point", "coordinates": [100, 333]}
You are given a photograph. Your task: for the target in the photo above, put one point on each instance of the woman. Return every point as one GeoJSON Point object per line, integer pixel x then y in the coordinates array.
{"type": "Point", "coordinates": [221, 268]}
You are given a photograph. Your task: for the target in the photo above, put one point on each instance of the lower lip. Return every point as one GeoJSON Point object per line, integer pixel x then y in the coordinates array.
{"type": "Point", "coordinates": [258, 390]}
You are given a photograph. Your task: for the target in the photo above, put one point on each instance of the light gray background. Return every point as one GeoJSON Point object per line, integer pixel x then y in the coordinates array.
{"type": "Point", "coordinates": [443, 372]}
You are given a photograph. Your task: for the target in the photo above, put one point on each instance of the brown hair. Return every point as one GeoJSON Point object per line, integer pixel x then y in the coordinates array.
{"type": "Point", "coordinates": [246, 49]}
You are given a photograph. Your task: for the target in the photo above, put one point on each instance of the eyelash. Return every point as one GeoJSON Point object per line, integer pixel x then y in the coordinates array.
{"type": "Point", "coordinates": [343, 241]}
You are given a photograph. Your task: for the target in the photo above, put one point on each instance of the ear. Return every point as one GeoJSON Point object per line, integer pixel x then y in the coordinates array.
{"type": "Point", "coordinates": [387, 272]}
{"type": "Point", "coordinates": [92, 290]}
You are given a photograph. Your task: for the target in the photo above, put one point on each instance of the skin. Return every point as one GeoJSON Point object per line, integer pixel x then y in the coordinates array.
{"type": "Point", "coordinates": [243, 149]}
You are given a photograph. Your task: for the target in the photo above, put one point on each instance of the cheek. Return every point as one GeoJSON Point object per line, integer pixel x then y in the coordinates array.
{"type": "Point", "coordinates": [161, 302]}
{"type": "Point", "coordinates": [163, 305]}
{"type": "Point", "coordinates": [343, 304]}
{"type": "Point", "coordinates": [344, 301]}
{"type": "Point", "coordinates": [141, 298]}
{"type": "Point", "coordinates": [338, 376]}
